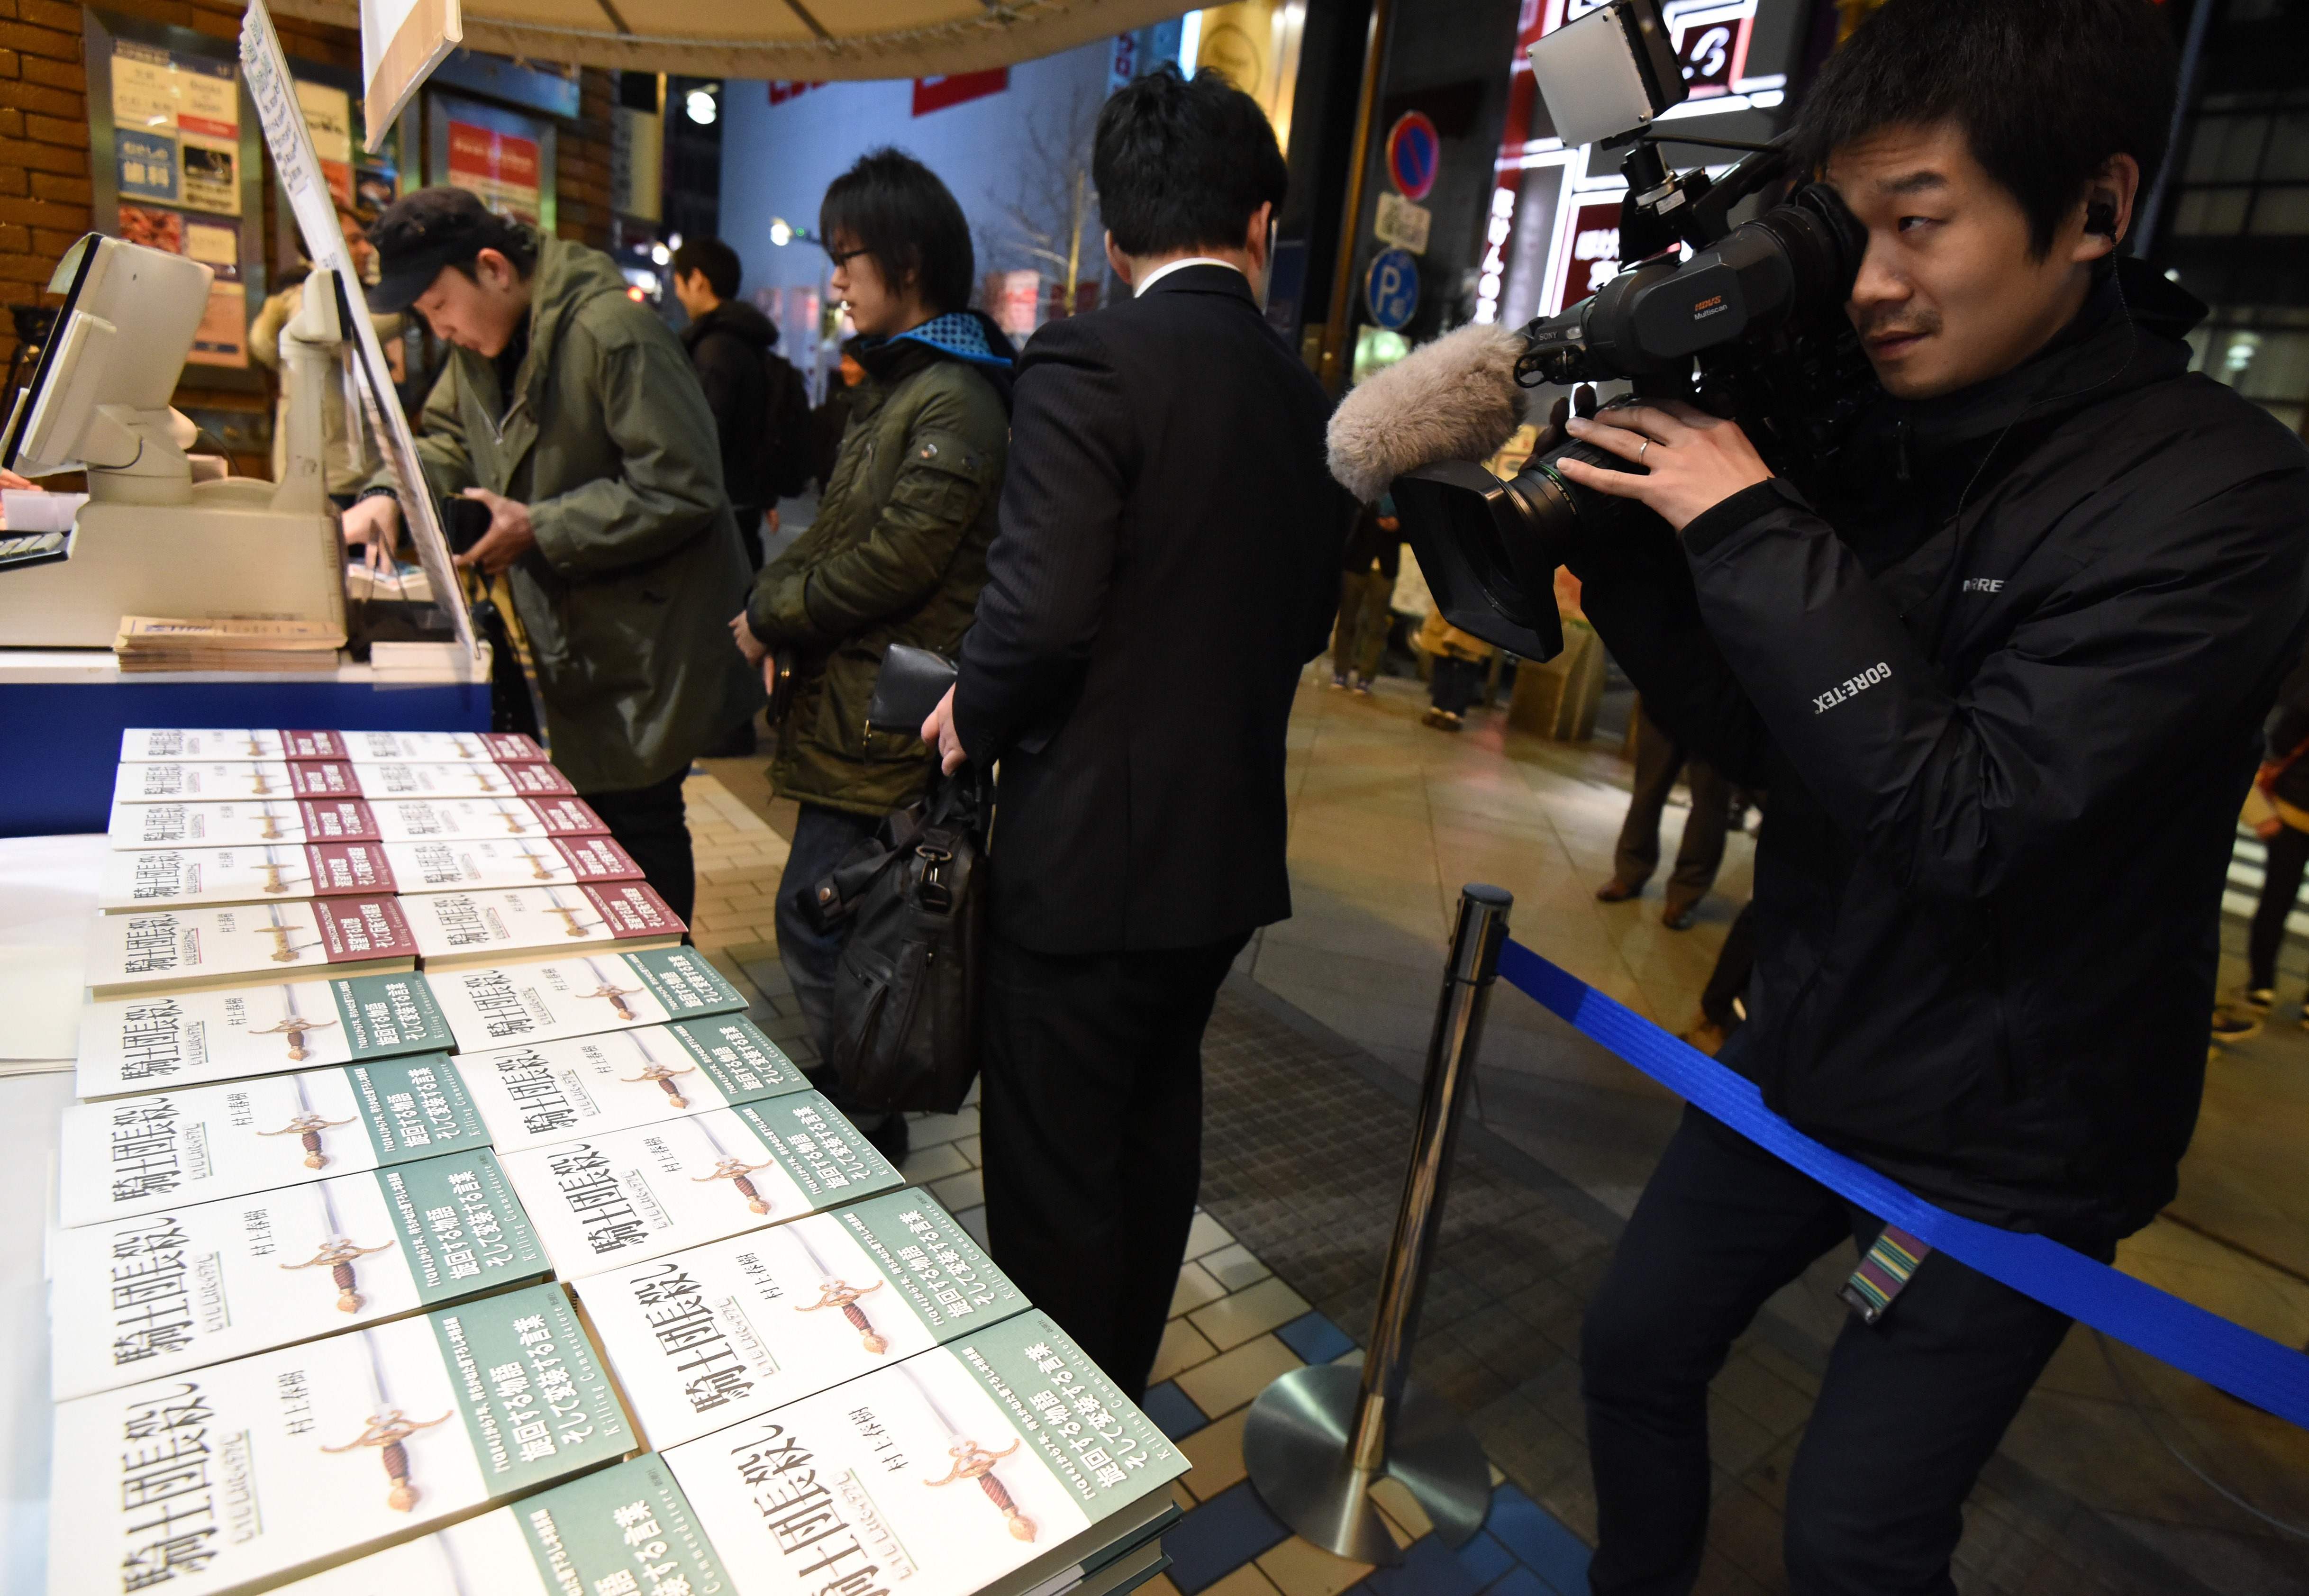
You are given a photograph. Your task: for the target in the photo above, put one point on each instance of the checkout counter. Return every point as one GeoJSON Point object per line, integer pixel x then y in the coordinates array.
{"type": "Point", "coordinates": [151, 541]}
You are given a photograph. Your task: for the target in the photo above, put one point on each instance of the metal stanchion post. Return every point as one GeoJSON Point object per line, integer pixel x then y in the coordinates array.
{"type": "Point", "coordinates": [1320, 1437]}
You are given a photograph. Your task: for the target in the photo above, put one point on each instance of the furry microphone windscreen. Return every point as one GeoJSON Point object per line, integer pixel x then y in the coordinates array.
{"type": "Point", "coordinates": [1455, 399]}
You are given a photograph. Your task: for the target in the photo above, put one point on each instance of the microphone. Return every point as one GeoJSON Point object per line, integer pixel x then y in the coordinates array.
{"type": "Point", "coordinates": [1454, 399]}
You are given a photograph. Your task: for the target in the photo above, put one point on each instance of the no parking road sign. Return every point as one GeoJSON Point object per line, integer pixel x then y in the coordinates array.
{"type": "Point", "coordinates": [1415, 151]}
{"type": "Point", "coordinates": [1391, 288]}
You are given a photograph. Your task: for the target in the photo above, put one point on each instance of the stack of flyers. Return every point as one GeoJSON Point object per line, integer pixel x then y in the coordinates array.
{"type": "Point", "coordinates": [134, 1299]}
{"type": "Point", "coordinates": [631, 1194]}
{"type": "Point", "coordinates": [161, 950]}
{"type": "Point", "coordinates": [280, 1462]}
{"type": "Point", "coordinates": [184, 1039]}
{"type": "Point", "coordinates": [136, 1155]}
{"type": "Point", "coordinates": [538, 1093]}
{"type": "Point", "coordinates": [734, 1329]}
{"type": "Point", "coordinates": [548, 1000]}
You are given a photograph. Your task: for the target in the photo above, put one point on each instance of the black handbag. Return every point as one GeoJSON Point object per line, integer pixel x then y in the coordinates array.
{"type": "Point", "coordinates": [906, 991]}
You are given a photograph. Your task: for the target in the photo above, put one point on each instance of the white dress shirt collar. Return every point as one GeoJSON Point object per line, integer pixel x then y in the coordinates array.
{"type": "Point", "coordinates": [1165, 270]}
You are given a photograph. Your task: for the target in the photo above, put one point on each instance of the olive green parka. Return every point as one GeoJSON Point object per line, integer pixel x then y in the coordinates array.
{"type": "Point", "coordinates": [897, 554]}
{"type": "Point", "coordinates": [627, 598]}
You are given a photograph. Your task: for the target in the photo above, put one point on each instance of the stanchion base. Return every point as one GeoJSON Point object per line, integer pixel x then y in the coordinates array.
{"type": "Point", "coordinates": [1294, 1445]}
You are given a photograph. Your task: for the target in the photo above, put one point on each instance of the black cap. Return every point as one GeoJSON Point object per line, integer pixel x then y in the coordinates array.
{"type": "Point", "coordinates": [422, 232]}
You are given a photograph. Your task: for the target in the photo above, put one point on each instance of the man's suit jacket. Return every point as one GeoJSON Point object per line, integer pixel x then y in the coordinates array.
{"type": "Point", "coordinates": [1167, 561]}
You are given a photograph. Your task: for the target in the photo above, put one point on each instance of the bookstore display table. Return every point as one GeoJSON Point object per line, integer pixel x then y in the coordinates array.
{"type": "Point", "coordinates": [64, 709]}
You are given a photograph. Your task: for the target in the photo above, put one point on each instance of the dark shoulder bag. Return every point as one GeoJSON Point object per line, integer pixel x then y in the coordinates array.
{"type": "Point", "coordinates": [906, 991]}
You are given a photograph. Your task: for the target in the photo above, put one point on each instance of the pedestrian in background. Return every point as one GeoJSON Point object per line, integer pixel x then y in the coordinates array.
{"type": "Point", "coordinates": [1167, 481]}
{"type": "Point", "coordinates": [1699, 855]}
{"type": "Point", "coordinates": [1457, 663]}
{"type": "Point", "coordinates": [1367, 577]}
{"type": "Point", "coordinates": [898, 551]}
{"type": "Point", "coordinates": [349, 453]}
{"type": "Point", "coordinates": [2277, 810]}
{"type": "Point", "coordinates": [761, 410]}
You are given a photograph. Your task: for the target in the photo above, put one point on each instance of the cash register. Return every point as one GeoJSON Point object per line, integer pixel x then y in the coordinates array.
{"type": "Point", "coordinates": [151, 540]}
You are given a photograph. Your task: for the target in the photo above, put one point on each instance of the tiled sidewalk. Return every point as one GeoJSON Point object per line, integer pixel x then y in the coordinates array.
{"type": "Point", "coordinates": [1234, 1326]}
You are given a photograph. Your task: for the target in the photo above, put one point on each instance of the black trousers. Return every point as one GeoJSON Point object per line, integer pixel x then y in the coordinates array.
{"type": "Point", "coordinates": [1456, 684]}
{"type": "Point", "coordinates": [1091, 1115]}
{"type": "Point", "coordinates": [2288, 855]}
{"type": "Point", "coordinates": [653, 824]}
{"type": "Point", "coordinates": [1910, 1411]}
{"type": "Point", "coordinates": [1700, 854]}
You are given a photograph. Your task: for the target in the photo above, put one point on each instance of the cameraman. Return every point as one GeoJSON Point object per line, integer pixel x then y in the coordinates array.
{"type": "Point", "coordinates": [2004, 696]}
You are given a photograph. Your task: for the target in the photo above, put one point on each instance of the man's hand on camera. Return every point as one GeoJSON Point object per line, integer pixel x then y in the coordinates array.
{"type": "Point", "coordinates": [741, 633]}
{"type": "Point", "coordinates": [372, 525]}
{"type": "Point", "coordinates": [510, 535]}
{"type": "Point", "coordinates": [939, 732]}
{"type": "Point", "coordinates": [1692, 462]}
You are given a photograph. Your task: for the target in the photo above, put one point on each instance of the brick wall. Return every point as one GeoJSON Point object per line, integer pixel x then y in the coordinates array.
{"type": "Point", "coordinates": [44, 179]}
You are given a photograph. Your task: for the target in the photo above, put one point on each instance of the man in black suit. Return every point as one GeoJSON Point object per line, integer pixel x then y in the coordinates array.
{"type": "Point", "coordinates": [1166, 563]}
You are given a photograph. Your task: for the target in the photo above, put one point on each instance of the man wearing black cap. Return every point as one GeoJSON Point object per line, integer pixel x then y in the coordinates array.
{"type": "Point", "coordinates": [572, 414]}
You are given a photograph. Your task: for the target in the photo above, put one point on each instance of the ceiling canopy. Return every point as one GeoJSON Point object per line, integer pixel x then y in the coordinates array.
{"type": "Point", "coordinates": [793, 40]}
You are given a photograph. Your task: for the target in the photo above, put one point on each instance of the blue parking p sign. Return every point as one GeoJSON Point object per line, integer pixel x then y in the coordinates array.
{"type": "Point", "coordinates": [1391, 288]}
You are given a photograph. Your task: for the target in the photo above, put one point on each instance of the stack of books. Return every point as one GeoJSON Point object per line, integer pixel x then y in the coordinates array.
{"type": "Point", "coordinates": [434, 1220]}
{"type": "Point", "coordinates": [156, 642]}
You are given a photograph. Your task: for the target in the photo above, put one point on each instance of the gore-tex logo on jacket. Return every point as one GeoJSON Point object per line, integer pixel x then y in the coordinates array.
{"type": "Point", "coordinates": [1851, 686]}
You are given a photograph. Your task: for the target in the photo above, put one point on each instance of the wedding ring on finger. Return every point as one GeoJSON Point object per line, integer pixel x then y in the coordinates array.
{"type": "Point", "coordinates": [1639, 450]}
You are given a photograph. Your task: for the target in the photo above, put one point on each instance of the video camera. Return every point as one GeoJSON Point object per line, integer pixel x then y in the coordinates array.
{"type": "Point", "coordinates": [1749, 326]}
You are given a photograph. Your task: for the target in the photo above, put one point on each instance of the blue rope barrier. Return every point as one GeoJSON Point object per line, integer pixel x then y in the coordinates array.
{"type": "Point", "coordinates": [2244, 1363]}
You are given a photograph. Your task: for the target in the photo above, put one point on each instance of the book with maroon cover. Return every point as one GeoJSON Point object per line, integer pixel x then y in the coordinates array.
{"type": "Point", "coordinates": [439, 747]}
{"type": "Point", "coordinates": [168, 950]}
{"type": "Point", "coordinates": [147, 744]}
{"type": "Point", "coordinates": [342, 779]}
{"type": "Point", "coordinates": [259, 872]}
{"type": "Point", "coordinates": [479, 927]}
{"type": "Point", "coordinates": [479, 864]}
{"type": "Point", "coordinates": [458, 820]}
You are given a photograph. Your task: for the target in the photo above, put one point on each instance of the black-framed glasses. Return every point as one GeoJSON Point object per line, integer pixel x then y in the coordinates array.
{"type": "Point", "coordinates": [842, 257]}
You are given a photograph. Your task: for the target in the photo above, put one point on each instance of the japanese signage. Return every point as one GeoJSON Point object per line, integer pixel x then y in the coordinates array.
{"type": "Point", "coordinates": [501, 167]}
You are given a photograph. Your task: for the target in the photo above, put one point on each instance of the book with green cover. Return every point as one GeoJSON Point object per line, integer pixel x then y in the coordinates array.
{"type": "Point", "coordinates": [285, 1462]}
{"type": "Point", "coordinates": [626, 1195]}
{"type": "Point", "coordinates": [189, 1039]}
{"type": "Point", "coordinates": [134, 1299]}
{"type": "Point", "coordinates": [624, 1530]}
{"type": "Point", "coordinates": [136, 1155]}
{"type": "Point", "coordinates": [1000, 1458]}
{"type": "Point", "coordinates": [704, 1338]}
{"type": "Point", "coordinates": [545, 1000]}
{"type": "Point", "coordinates": [544, 1093]}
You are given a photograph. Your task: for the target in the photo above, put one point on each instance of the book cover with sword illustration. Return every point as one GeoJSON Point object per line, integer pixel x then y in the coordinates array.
{"type": "Point", "coordinates": [341, 779]}
{"type": "Point", "coordinates": [136, 1155]}
{"type": "Point", "coordinates": [1002, 1456]}
{"type": "Point", "coordinates": [704, 1338]}
{"type": "Point", "coordinates": [251, 822]}
{"type": "Point", "coordinates": [195, 781]}
{"type": "Point", "coordinates": [134, 1299]}
{"type": "Point", "coordinates": [140, 745]}
{"type": "Point", "coordinates": [269, 872]}
{"type": "Point", "coordinates": [545, 1000]}
{"type": "Point", "coordinates": [538, 1093]}
{"type": "Point", "coordinates": [476, 928]}
{"type": "Point", "coordinates": [187, 1038]}
{"type": "Point", "coordinates": [162, 950]}
{"type": "Point", "coordinates": [622, 1196]}
{"type": "Point", "coordinates": [240, 1475]}
{"type": "Point", "coordinates": [623, 1531]}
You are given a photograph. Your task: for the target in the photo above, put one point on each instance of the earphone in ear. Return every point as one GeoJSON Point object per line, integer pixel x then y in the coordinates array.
{"type": "Point", "coordinates": [2100, 217]}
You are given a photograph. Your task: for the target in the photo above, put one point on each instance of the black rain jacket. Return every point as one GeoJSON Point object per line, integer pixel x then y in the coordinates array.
{"type": "Point", "coordinates": [2007, 706]}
